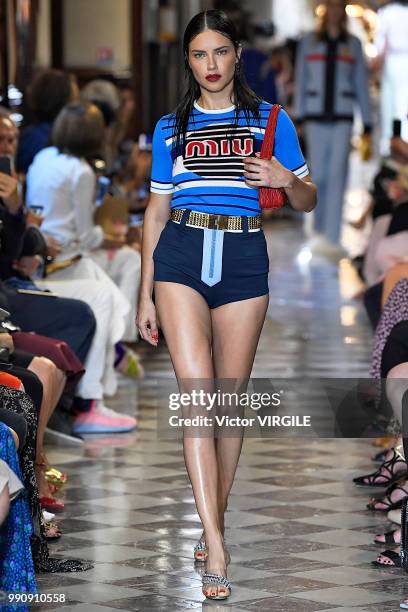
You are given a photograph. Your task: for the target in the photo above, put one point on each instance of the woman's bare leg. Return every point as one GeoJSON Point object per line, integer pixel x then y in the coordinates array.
{"type": "Point", "coordinates": [186, 323]}
{"type": "Point", "coordinates": [236, 330]}
{"type": "Point", "coordinates": [4, 504]}
{"type": "Point", "coordinates": [396, 385]}
{"type": "Point", "coordinates": [239, 327]}
{"type": "Point", "coordinates": [53, 381]}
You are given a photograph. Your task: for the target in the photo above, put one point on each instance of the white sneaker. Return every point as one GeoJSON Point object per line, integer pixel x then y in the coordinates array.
{"type": "Point", "coordinates": [101, 419]}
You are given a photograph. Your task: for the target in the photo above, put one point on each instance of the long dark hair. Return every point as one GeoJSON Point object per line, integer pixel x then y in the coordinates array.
{"type": "Point", "coordinates": [323, 26]}
{"type": "Point", "coordinates": [244, 98]}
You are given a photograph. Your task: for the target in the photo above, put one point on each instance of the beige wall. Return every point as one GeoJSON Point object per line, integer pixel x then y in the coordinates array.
{"type": "Point", "coordinates": [90, 24]}
{"type": "Point", "coordinates": [43, 58]}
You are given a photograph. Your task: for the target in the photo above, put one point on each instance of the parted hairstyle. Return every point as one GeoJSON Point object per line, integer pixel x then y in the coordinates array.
{"type": "Point", "coordinates": [245, 99]}
{"type": "Point", "coordinates": [79, 130]}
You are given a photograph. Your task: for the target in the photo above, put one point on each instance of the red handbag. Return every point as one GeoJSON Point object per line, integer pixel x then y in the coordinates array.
{"type": "Point", "coordinates": [271, 197]}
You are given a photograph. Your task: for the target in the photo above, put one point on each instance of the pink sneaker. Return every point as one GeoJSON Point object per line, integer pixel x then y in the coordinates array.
{"type": "Point", "coordinates": [101, 419]}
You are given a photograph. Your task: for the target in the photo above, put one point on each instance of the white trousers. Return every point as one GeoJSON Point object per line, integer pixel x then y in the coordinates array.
{"type": "Point", "coordinates": [394, 98]}
{"type": "Point", "coordinates": [123, 266]}
{"type": "Point", "coordinates": [87, 282]}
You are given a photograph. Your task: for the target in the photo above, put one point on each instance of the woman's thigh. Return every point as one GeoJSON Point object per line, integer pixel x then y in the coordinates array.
{"type": "Point", "coordinates": [186, 323]}
{"type": "Point", "coordinates": [236, 328]}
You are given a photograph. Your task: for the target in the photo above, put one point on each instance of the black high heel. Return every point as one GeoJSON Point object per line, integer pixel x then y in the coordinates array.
{"type": "Point", "coordinates": [390, 478]}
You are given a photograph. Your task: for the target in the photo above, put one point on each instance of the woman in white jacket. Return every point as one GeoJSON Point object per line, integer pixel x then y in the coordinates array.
{"type": "Point", "coordinates": [62, 182]}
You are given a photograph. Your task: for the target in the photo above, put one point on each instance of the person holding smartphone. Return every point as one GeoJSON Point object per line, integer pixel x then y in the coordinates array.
{"type": "Point", "coordinates": [9, 191]}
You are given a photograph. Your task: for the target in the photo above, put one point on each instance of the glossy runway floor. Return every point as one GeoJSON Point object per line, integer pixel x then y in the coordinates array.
{"type": "Point", "coordinates": [297, 531]}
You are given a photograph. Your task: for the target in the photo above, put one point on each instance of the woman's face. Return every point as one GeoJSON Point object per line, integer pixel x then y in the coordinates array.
{"type": "Point", "coordinates": [335, 11]}
{"type": "Point", "coordinates": [212, 58]}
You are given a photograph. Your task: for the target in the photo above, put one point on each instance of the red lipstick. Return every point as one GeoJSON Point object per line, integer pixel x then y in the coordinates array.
{"type": "Point", "coordinates": [213, 77]}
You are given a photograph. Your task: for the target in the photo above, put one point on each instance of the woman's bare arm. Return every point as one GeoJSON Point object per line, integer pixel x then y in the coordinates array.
{"type": "Point", "coordinates": [155, 218]}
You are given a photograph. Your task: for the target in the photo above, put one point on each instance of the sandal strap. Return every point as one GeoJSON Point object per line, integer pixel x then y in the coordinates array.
{"type": "Point", "coordinates": [391, 554]}
{"type": "Point", "coordinates": [386, 465]}
{"type": "Point", "coordinates": [200, 546]}
{"type": "Point", "coordinates": [210, 578]}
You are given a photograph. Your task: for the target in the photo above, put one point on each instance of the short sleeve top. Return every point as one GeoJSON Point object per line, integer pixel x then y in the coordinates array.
{"type": "Point", "coordinates": [209, 175]}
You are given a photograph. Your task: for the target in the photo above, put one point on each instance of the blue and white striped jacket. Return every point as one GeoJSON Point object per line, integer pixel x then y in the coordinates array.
{"type": "Point", "coordinates": [331, 77]}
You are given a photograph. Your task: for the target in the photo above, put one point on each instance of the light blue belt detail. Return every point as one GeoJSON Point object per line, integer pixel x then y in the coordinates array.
{"type": "Point", "coordinates": [211, 269]}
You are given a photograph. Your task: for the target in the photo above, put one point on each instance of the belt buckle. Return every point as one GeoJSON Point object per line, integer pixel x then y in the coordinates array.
{"type": "Point", "coordinates": [218, 222]}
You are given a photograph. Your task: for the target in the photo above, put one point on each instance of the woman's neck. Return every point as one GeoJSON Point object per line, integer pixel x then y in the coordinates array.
{"type": "Point", "coordinates": [215, 101]}
{"type": "Point", "coordinates": [333, 30]}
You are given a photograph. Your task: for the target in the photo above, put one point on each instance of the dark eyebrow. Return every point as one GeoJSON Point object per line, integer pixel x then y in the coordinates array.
{"type": "Point", "coordinates": [202, 50]}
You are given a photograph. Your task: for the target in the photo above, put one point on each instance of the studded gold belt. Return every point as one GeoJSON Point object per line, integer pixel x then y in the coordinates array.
{"type": "Point", "coordinates": [228, 223]}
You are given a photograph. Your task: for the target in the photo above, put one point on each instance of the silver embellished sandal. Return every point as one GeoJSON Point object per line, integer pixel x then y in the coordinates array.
{"type": "Point", "coordinates": [215, 580]}
{"type": "Point", "coordinates": [200, 551]}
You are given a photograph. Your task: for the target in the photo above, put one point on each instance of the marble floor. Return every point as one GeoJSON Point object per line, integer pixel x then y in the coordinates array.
{"type": "Point", "coordinates": [297, 529]}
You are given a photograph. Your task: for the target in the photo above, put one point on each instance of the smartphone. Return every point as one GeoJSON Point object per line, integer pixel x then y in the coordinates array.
{"type": "Point", "coordinates": [6, 164]}
{"type": "Point", "coordinates": [396, 128]}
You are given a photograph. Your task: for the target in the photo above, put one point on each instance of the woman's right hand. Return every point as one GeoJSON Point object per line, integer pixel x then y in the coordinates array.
{"type": "Point", "coordinates": [146, 321]}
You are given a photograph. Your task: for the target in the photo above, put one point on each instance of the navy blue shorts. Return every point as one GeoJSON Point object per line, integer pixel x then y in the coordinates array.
{"type": "Point", "coordinates": [222, 266]}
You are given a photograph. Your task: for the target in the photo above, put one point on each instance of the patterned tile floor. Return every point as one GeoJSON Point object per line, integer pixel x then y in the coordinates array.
{"type": "Point", "coordinates": [297, 530]}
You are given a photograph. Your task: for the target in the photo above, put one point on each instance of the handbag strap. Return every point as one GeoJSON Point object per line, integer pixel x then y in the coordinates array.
{"type": "Point", "coordinates": [269, 138]}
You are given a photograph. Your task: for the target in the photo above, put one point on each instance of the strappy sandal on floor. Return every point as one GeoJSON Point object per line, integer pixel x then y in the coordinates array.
{"type": "Point", "coordinates": [215, 580]}
{"type": "Point", "coordinates": [392, 556]}
{"type": "Point", "coordinates": [388, 478]}
{"type": "Point", "coordinates": [387, 501]}
{"type": "Point", "coordinates": [200, 551]}
{"type": "Point", "coordinates": [389, 538]}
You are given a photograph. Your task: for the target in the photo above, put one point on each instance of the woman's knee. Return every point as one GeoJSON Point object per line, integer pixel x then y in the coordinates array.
{"type": "Point", "coordinates": [4, 504]}
{"type": "Point", "coordinates": [45, 369]}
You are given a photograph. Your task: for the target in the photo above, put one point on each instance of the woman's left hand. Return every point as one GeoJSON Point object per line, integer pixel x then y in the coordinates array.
{"type": "Point", "coordinates": [266, 173]}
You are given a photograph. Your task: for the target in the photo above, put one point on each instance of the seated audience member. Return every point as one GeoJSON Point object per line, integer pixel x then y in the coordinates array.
{"type": "Point", "coordinates": [16, 561]}
{"type": "Point", "coordinates": [44, 383]}
{"type": "Point", "coordinates": [48, 93]}
{"type": "Point", "coordinates": [388, 243]}
{"type": "Point", "coordinates": [389, 239]}
{"type": "Point", "coordinates": [61, 180]}
{"type": "Point", "coordinates": [65, 319]}
{"type": "Point", "coordinates": [21, 404]}
{"type": "Point", "coordinates": [390, 364]}
{"type": "Point", "coordinates": [105, 95]}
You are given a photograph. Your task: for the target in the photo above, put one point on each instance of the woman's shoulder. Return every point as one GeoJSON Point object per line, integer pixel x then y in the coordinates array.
{"type": "Point", "coordinates": [266, 107]}
{"type": "Point", "coordinates": [44, 157]}
{"type": "Point", "coordinates": [166, 121]}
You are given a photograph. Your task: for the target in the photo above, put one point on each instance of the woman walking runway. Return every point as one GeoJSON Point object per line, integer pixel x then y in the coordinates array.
{"type": "Point", "coordinates": [204, 252]}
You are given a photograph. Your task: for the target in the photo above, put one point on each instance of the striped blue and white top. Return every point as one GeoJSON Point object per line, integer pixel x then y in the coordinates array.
{"type": "Point", "coordinates": [209, 177]}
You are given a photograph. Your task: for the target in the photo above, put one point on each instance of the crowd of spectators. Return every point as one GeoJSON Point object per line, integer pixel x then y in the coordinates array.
{"type": "Point", "coordinates": [73, 188]}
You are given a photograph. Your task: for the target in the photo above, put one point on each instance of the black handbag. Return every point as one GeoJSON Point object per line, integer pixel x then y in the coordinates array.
{"type": "Point", "coordinates": [404, 535]}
